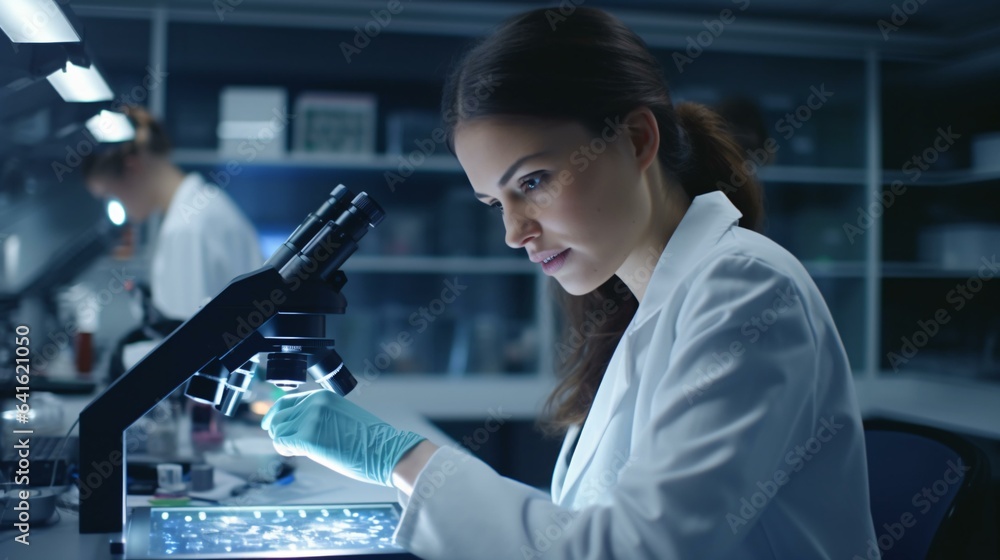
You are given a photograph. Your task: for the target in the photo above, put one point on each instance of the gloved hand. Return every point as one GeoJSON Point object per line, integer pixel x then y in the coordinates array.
{"type": "Point", "coordinates": [337, 434]}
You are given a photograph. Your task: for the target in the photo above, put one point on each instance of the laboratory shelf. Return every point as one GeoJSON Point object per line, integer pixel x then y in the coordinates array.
{"type": "Point", "coordinates": [838, 162]}
{"type": "Point", "coordinates": [925, 270]}
{"type": "Point", "coordinates": [943, 178]}
{"type": "Point", "coordinates": [811, 175]}
{"type": "Point", "coordinates": [447, 163]}
{"type": "Point", "coordinates": [835, 269]}
{"type": "Point", "coordinates": [373, 162]}
{"type": "Point", "coordinates": [439, 265]}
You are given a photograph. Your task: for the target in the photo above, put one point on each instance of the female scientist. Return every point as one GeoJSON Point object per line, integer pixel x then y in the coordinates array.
{"type": "Point", "coordinates": [204, 239]}
{"type": "Point", "coordinates": [713, 416]}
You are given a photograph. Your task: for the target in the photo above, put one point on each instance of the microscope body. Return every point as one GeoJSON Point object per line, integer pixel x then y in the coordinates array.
{"type": "Point", "coordinates": [285, 311]}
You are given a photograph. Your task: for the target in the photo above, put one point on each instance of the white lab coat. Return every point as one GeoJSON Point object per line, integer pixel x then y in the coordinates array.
{"type": "Point", "coordinates": [709, 437]}
{"type": "Point", "coordinates": [204, 242]}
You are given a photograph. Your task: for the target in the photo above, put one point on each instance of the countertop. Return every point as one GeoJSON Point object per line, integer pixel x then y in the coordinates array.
{"type": "Point", "coordinates": [963, 407]}
{"type": "Point", "coordinates": [312, 483]}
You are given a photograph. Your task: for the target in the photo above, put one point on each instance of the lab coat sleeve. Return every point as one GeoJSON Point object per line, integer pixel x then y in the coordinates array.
{"type": "Point", "coordinates": [714, 432]}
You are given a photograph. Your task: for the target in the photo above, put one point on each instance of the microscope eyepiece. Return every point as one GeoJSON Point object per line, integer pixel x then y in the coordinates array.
{"type": "Point", "coordinates": [338, 202]}
{"type": "Point", "coordinates": [335, 242]}
{"type": "Point", "coordinates": [368, 207]}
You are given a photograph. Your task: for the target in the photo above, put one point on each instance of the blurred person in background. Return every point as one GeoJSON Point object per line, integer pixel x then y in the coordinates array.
{"type": "Point", "coordinates": [204, 239]}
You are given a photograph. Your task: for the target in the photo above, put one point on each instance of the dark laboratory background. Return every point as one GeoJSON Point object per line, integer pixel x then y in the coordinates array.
{"type": "Point", "coordinates": [859, 97]}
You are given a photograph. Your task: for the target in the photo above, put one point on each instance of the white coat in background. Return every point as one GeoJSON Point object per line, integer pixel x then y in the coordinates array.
{"type": "Point", "coordinates": [204, 242]}
{"type": "Point", "coordinates": [726, 427]}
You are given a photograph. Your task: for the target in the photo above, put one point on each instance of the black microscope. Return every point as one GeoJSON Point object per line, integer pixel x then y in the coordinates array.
{"type": "Point", "coordinates": [282, 313]}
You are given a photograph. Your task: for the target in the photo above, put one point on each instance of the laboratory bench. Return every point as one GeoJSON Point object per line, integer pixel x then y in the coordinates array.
{"type": "Point", "coordinates": [311, 484]}
{"type": "Point", "coordinates": [446, 411]}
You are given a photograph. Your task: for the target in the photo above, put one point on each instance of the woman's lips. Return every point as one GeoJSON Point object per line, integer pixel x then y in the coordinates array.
{"type": "Point", "coordinates": [557, 262]}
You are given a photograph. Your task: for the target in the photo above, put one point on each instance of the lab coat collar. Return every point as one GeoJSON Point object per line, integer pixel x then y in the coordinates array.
{"type": "Point", "coordinates": [708, 217]}
{"type": "Point", "coordinates": [559, 477]}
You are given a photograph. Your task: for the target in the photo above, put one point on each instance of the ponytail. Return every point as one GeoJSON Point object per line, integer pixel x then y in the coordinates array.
{"type": "Point", "coordinates": [716, 162]}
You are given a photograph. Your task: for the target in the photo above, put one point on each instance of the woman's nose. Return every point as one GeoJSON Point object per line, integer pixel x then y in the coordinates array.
{"type": "Point", "coordinates": [521, 227]}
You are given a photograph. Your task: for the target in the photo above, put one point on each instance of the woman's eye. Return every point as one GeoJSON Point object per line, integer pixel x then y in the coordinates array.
{"type": "Point", "coordinates": [533, 183]}
{"type": "Point", "coordinates": [528, 184]}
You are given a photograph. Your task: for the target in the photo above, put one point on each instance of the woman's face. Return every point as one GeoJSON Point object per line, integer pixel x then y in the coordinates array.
{"type": "Point", "coordinates": [563, 191]}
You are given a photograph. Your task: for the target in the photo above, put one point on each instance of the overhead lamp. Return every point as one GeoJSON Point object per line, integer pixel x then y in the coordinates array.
{"type": "Point", "coordinates": [36, 21]}
{"type": "Point", "coordinates": [80, 83]}
{"type": "Point", "coordinates": [111, 126]}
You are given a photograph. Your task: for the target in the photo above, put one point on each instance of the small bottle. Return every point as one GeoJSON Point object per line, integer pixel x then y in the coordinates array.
{"type": "Point", "coordinates": [84, 348]}
{"type": "Point", "coordinates": [86, 310]}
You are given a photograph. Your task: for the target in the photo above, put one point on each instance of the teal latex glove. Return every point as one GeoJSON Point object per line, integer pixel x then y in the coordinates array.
{"type": "Point", "coordinates": [337, 434]}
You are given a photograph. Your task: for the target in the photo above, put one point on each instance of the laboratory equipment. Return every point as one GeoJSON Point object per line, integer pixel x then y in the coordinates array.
{"type": "Point", "coordinates": [283, 311]}
{"type": "Point", "coordinates": [264, 531]}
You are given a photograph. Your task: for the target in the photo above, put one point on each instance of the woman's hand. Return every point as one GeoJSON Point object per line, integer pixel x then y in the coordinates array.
{"type": "Point", "coordinates": [337, 434]}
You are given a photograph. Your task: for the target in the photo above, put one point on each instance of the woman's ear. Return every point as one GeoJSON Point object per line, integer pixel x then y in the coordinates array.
{"type": "Point", "coordinates": [644, 136]}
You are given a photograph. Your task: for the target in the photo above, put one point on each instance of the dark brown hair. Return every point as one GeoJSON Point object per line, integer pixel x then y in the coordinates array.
{"type": "Point", "coordinates": [150, 137]}
{"type": "Point", "coordinates": [587, 67]}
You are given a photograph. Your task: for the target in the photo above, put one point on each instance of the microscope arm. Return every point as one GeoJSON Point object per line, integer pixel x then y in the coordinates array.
{"type": "Point", "coordinates": [212, 333]}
